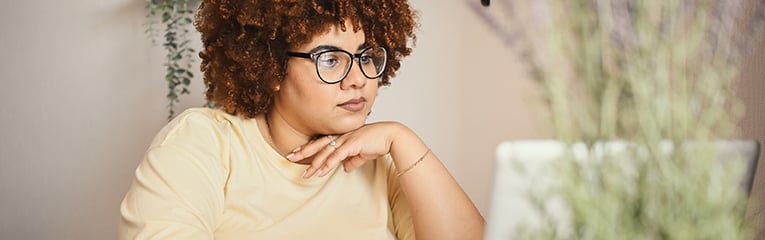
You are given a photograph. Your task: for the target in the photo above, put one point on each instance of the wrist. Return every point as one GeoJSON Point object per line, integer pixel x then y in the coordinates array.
{"type": "Point", "coordinates": [405, 146]}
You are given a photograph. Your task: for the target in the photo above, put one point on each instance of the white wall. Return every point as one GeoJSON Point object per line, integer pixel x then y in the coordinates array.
{"type": "Point", "coordinates": [82, 95]}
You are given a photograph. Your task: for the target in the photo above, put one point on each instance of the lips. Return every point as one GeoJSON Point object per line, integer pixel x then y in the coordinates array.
{"type": "Point", "coordinates": [354, 105]}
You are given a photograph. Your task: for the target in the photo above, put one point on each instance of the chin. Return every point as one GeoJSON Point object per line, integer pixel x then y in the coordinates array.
{"type": "Point", "coordinates": [350, 124]}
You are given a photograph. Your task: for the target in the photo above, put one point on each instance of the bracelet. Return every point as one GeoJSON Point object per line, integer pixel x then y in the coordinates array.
{"type": "Point", "coordinates": [413, 164]}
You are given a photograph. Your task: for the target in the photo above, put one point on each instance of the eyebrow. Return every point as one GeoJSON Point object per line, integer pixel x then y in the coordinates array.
{"type": "Point", "coordinates": [331, 47]}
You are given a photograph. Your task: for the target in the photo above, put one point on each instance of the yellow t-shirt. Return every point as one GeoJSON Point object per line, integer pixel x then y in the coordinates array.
{"type": "Point", "coordinates": [211, 175]}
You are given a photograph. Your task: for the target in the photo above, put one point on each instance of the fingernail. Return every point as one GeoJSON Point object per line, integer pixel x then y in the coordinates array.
{"type": "Point", "coordinates": [290, 156]}
{"type": "Point", "coordinates": [320, 172]}
{"type": "Point", "coordinates": [297, 149]}
{"type": "Point", "coordinates": [305, 174]}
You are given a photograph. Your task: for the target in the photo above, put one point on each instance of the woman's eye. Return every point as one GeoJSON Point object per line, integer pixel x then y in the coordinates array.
{"type": "Point", "coordinates": [366, 59]}
{"type": "Point", "coordinates": [327, 60]}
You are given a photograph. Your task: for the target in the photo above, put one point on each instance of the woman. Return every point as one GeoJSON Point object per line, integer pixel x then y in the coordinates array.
{"type": "Point", "coordinates": [295, 82]}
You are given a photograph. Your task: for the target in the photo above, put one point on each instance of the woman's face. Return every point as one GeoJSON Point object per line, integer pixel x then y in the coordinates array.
{"type": "Point", "coordinates": [316, 108]}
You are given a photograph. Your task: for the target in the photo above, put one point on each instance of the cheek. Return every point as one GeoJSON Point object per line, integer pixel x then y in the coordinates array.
{"type": "Point", "coordinates": [371, 91]}
{"type": "Point", "coordinates": [302, 85]}
{"type": "Point", "coordinates": [308, 95]}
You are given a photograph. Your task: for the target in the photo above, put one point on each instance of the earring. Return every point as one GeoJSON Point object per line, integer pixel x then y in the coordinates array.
{"type": "Point", "coordinates": [276, 89]}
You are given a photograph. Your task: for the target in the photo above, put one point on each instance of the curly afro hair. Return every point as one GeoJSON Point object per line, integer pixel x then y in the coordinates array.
{"type": "Point", "coordinates": [245, 42]}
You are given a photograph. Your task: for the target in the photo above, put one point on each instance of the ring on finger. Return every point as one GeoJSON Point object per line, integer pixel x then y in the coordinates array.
{"type": "Point", "coordinates": [332, 142]}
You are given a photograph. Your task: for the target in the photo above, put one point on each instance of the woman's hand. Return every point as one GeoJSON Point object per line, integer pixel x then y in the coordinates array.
{"type": "Point", "coordinates": [423, 186]}
{"type": "Point", "coordinates": [352, 149]}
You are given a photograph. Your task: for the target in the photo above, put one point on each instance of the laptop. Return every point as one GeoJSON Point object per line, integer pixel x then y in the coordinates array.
{"type": "Point", "coordinates": [522, 166]}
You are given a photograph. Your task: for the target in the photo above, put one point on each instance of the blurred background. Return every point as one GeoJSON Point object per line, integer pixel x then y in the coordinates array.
{"type": "Point", "coordinates": [83, 94]}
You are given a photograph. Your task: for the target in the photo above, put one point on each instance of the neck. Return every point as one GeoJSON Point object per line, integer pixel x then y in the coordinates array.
{"type": "Point", "coordinates": [282, 136]}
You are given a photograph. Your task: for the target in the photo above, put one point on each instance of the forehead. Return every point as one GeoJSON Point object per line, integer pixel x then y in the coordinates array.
{"type": "Point", "coordinates": [334, 35]}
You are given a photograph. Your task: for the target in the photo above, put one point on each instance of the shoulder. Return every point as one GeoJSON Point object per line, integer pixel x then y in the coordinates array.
{"type": "Point", "coordinates": [197, 124]}
{"type": "Point", "coordinates": [200, 135]}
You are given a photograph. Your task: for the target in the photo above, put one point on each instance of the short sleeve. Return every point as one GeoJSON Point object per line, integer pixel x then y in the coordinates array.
{"type": "Point", "coordinates": [178, 189]}
{"type": "Point", "coordinates": [402, 223]}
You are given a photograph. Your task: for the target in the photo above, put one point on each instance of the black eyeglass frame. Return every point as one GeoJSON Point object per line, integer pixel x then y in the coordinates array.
{"type": "Point", "coordinates": [315, 57]}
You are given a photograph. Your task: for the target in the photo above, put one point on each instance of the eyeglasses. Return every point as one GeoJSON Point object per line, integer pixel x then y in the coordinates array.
{"type": "Point", "coordinates": [333, 65]}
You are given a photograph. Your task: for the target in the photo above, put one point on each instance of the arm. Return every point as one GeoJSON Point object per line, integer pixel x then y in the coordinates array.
{"type": "Point", "coordinates": [440, 208]}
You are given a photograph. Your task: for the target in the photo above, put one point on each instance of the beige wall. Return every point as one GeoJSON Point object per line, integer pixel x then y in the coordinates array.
{"type": "Point", "coordinates": [82, 96]}
{"type": "Point", "coordinates": [752, 92]}
{"type": "Point", "coordinates": [463, 91]}
{"type": "Point", "coordinates": [79, 102]}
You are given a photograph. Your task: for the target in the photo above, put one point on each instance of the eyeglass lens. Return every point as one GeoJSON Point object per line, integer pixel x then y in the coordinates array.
{"type": "Point", "coordinates": [333, 66]}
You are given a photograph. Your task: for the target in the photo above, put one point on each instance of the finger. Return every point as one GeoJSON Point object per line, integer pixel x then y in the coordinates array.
{"type": "Point", "coordinates": [334, 159]}
{"type": "Point", "coordinates": [308, 149]}
{"type": "Point", "coordinates": [318, 161]}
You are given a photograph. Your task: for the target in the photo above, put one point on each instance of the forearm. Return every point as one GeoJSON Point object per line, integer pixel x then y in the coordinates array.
{"type": "Point", "coordinates": [440, 208]}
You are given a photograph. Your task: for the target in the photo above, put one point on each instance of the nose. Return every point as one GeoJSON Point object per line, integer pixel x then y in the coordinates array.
{"type": "Point", "coordinates": [355, 78]}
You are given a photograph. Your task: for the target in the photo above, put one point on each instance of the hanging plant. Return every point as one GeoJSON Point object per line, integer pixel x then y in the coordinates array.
{"type": "Point", "coordinates": [173, 20]}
